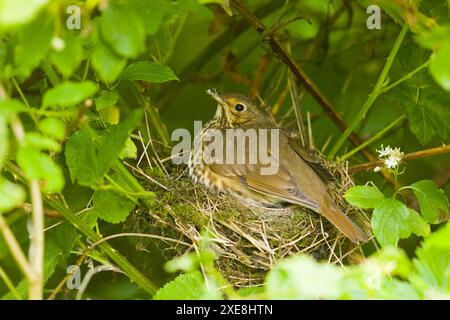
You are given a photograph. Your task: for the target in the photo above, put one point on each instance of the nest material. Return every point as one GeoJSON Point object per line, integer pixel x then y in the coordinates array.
{"type": "Point", "coordinates": [247, 240]}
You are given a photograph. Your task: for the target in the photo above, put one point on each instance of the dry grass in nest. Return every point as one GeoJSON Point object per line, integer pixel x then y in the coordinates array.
{"type": "Point", "coordinates": [247, 240]}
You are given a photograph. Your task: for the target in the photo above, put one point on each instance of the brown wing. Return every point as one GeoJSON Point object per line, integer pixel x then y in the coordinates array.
{"type": "Point", "coordinates": [313, 160]}
{"type": "Point", "coordinates": [280, 186]}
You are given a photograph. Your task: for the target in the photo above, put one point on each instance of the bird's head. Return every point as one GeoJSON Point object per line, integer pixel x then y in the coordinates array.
{"type": "Point", "coordinates": [237, 110]}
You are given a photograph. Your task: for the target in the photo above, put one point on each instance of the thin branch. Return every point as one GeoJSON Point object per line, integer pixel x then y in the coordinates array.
{"type": "Point", "coordinates": [36, 252]}
{"type": "Point", "coordinates": [15, 249]}
{"type": "Point", "coordinates": [408, 157]}
{"type": "Point", "coordinates": [309, 85]}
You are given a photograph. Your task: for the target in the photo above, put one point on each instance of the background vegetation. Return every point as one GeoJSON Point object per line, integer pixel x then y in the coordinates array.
{"type": "Point", "coordinates": [78, 106]}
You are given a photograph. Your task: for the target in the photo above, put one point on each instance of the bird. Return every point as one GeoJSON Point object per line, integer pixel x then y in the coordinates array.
{"type": "Point", "coordinates": [300, 179]}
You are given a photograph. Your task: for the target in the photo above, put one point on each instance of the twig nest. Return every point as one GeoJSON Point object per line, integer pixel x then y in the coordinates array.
{"type": "Point", "coordinates": [247, 240]}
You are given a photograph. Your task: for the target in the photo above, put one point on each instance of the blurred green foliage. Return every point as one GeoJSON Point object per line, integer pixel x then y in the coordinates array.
{"type": "Point", "coordinates": [77, 76]}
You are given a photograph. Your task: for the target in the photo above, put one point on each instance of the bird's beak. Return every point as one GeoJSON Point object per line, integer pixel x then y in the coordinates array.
{"type": "Point", "coordinates": [213, 93]}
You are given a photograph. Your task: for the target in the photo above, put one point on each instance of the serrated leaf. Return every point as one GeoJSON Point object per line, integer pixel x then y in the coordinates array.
{"type": "Point", "coordinates": [188, 286]}
{"type": "Point", "coordinates": [114, 142]}
{"type": "Point", "coordinates": [365, 197]}
{"type": "Point", "coordinates": [390, 222]}
{"type": "Point", "coordinates": [88, 163]}
{"type": "Point", "coordinates": [148, 71]}
{"type": "Point", "coordinates": [81, 159]}
{"type": "Point", "coordinates": [428, 118]}
{"type": "Point", "coordinates": [112, 206]}
{"type": "Point", "coordinates": [123, 30]}
{"type": "Point", "coordinates": [69, 93]}
{"type": "Point", "coordinates": [432, 200]}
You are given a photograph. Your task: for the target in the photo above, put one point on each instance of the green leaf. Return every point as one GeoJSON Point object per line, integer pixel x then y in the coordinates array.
{"type": "Point", "coordinates": [53, 127]}
{"type": "Point", "coordinates": [69, 58]}
{"type": "Point", "coordinates": [432, 200]}
{"type": "Point", "coordinates": [88, 163]}
{"type": "Point", "coordinates": [363, 197]}
{"type": "Point", "coordinates": [69, 93]}
{"type": "Point", "coordinates": [106, 63]}
{"type": "Point", "coordinates": [40, 142]}
{"type": "Point", "coordinates": [433, 259]}
{"type": "Point", "coordinates": [114, 141]}
{"type": "Point", "coordinates": [38, 165]}
{"type": "Point", "coordinates": [11, 107]}
{"type": "Point", "coordinates": [302, 277]}
{"type": "Point", "coordinates": [418, 225]}
{"type": "Point", "coordinates": [106, 99]}
{"type": "Point", "coordinates": [123, 30]}
{"type": "Point", "coordinates": [129, 151]}
{"type": "Point", "coordinates": [11, 195]}
{"type": "Point", "coordinates": [81, 159]}
{"type": "Point", "coordinates": [188, 286]}
{"type": "Point", "coordinates": [64, 236]}
{"type": "Point", "coordinates": [148, 71]}
{"type": "Point", "coordinates": [440, 66]}
{"type": "Point", "coordinates": [34, 42]}
{"type": "Point", "coordinates": [394, 289]}
{"type": "Point", "coordinates": [18, 12]}
{"type": "Point", "coordinates": [390, 222]}
{"type": "Point", "coordinates": [112, 206]}
{"type": "Point", "coordinates": [428, 117]}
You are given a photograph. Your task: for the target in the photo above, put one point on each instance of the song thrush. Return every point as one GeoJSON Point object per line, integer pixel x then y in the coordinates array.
{"type": "Point", "coordinates": [300, 176]}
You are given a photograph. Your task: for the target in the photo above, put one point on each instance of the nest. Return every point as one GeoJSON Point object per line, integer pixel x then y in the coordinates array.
{"type": "Point", "coordinates": [247, 240]}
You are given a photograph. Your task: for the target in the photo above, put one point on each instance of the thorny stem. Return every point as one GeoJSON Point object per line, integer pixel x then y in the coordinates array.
{"type": "Point", "coordinates": [376, 92]}
{"type": "Point", "coordinates": [309, 85]}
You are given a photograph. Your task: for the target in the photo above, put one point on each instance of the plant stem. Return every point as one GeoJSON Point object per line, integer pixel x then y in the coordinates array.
{"type": "Point", "coordinates": [377, 90]}
{"type": "Point", "coordinates": [9, 284]}
{"type": "Point", "coordinates": [36, 252]}
{"type": "Point", "coordinates": [374, 138]}
{"type": "Point", "coordinates": [300, 74]}
{"type": "Point", "coordinates": [15, 249]}
{"type": "Point", "coordinates": [407, 76]}
{"type": "Point", "coordinates": [37, 242]}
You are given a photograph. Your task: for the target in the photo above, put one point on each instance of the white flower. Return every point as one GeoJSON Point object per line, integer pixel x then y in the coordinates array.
{"type": "Point", "coordinates": [391, 157]}
{"type": "Point", "coordinates": [382, 152]}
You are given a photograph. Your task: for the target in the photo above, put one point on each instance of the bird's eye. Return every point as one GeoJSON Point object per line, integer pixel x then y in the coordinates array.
{"type": "Point", "coordinates": [239, 107]}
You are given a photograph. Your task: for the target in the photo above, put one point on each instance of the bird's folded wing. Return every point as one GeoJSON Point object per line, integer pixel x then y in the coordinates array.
{"type": "Point", "coordinates": [280, 186]}
{"type": "Point", "coordinates": [313, 160]}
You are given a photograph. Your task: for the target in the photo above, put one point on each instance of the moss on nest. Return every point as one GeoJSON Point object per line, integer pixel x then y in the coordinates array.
{"type": "Point", "coordinates": [247, 240]}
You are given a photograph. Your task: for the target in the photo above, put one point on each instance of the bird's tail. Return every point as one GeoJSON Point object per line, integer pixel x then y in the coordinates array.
{"type": "Point", "coordinates": [330, 211]}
